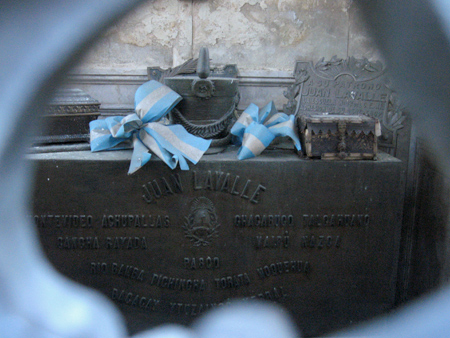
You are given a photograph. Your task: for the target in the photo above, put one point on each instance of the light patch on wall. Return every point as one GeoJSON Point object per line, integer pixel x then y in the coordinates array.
{"type": "Point", "coordinates": [163, 23]}
{"type": "Point", "coordinates": [221, 26]}
{"type": "Point", "coordinates": [257, 35]}
{"type": "Point", "coordinates": [318, 4]}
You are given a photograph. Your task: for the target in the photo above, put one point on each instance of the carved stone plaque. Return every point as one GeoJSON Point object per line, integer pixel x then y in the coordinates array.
{"type": "Point", "coordinates": [319, 238]}
{"type": "Point", "coordinates": [347, 87]}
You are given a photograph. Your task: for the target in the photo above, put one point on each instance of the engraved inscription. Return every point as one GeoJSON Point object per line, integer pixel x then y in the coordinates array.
{"type": "Point", "coordinates": [232, 282]}
{"type": "Point", "coordinates": [189, 309]}
{"type": "Point", "coordinates": [134, 300]}
{"type": "Point", "coordinates": [126, 243]}
{"type": "Point", "coordinates": [94, 243]}
{"type": "Point", "coordinates": [179, 284]}
{"type": "Point", "coordinates": [127, 271]}
{"type": "Point", "coordinates": [136, 221]}
{"type": "Point", "coordinates": [272, 242]}
{"type": "Point", "coordinates": [276, 294]}
{"type": "Point", "coordinates": [99, 268]}
{"type": "Point", "coordinates": [309, 220]}
{"type": "Point", "coordinates": [263, 221]}
{"type": "Point", "coordinates": [228, 183]}
{"type": "Point", "coordinates": [279, 268]}
{"type": "Point", "coordinates": [157, 188]}
{"type": "Point", "coordinates": [63, 221]}
{"type": "Point", "coordinates": [344, 100]}
{"type": "Point", "coordinates": [193, 309]}
{"type": "Point", "coordinates": [78, 243]}
{"type": "Point", "coordinates": [217, 181]}
{"type": "Point", "coordinates": [344, 97]}
{"type": "Point", "coordinates": [319, 242]}
{"type": "Point", "coordinates": [201, 263]}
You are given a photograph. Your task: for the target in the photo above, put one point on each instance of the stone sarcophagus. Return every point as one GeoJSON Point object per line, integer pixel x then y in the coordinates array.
{"type": "Point", "coordinates": [320, 238]}
{"type": "Point", "coordinates": [67, 117]}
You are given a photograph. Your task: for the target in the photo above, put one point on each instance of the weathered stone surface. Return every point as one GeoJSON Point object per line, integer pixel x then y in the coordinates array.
{"type": "Point", "coordinates": [270, 34]}
{"type": "Point", "coordinates": [360, 43]}
{"type": "Point", "coordinates": [428, 241]}
{"type": "Point", "coordinates": [263, 37]}
{"type": "Point", "coordinates": [156, 33]}
{"type": "Point", "coordinates": [267, 34]}
{"type": "Point", "coordinates": [112, 95]}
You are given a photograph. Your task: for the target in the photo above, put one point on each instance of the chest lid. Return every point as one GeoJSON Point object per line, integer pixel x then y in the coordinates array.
{"type": "Point", "coordinates": [325, 123]}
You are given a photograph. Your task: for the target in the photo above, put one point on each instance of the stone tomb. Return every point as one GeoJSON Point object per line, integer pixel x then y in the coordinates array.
{"type": "Point", "coordinates": [320, 238]}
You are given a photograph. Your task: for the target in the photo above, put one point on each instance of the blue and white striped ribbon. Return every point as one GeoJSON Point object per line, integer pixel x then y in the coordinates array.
{"type": "Point", "coordinates": [141, 131]}
{"type": "Point", "coordinates": [257, 128]}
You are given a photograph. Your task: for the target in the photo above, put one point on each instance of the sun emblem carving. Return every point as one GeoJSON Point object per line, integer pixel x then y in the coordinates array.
{"type": "Point", "coordinates": [203, 88]}
{"type": "Point", "coordinates": [201, 224]}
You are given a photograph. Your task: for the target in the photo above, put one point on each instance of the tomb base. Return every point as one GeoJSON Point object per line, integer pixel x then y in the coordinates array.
{"type": "Point", "coordinates": [320, 238]}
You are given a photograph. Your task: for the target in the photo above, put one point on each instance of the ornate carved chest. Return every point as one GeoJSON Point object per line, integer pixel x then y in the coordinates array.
{"type": "Point", "coordinates": [339, 137]}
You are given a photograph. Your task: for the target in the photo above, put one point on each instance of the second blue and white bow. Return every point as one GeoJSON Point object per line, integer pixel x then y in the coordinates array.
{"type": "Point", "coordinates": [256, 129]}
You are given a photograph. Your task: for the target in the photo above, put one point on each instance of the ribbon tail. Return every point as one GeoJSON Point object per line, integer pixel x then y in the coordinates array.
{"type": "Point", "coordinates": [177, 141]}
{"type": "Point", "coordinates": [157, 149]}
{"type": "Point", "coordinates": [183, 163]}
{"type": "Point", "coordinates": [257, 137]}
{"type": "Point", "coordinates": [139, 157]}
{"type": "Point", "coordinates": [287, 128]}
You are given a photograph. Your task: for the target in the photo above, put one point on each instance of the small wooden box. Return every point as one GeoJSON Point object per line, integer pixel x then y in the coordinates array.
{"type": "Point", "coordinates": [339, 137]}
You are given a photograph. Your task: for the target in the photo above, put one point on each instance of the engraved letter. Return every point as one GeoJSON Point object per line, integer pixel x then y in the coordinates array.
{"type": "Point", "coordinates": [176, 183]}
{"type": "Point", "coordinates": [196, 185]}
{"type": "Point", "coordinates": [244, 191]}
{"type": "Point", "coordinates": [147, 196]}
{"type": "Point", "coordinates": [233, 188]}
{"type": "Point", "coordinates": [255, 197]}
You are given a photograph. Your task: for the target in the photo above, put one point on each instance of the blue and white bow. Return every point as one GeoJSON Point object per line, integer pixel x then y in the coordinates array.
{"type": "Point", "coordinates": [141, 131]}
{"type": "Point", "coordinates": [257, 128]}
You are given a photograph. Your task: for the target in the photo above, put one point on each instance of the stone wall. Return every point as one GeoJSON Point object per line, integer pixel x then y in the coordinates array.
{"type": "Point", "coordinates": [264, 38]}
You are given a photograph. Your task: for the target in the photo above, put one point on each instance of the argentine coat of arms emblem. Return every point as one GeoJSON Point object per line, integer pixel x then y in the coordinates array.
{"type": "Point", "coordinates": [201, 224]}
